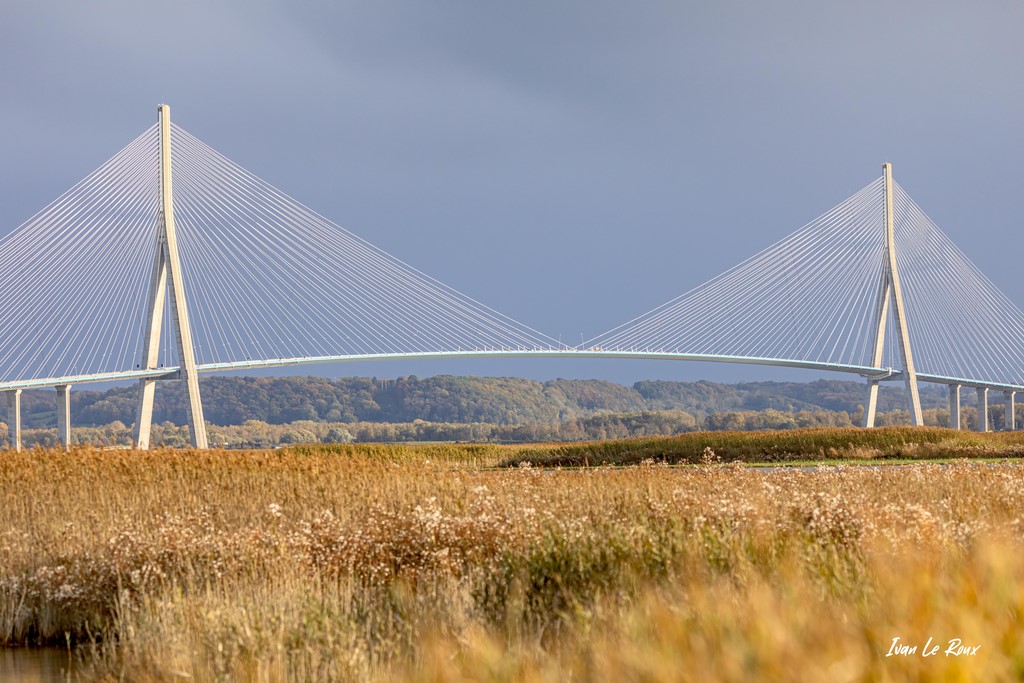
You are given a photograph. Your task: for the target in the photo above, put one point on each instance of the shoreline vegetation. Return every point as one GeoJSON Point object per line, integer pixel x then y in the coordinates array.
{"type": "Point", "coordinates": [485, 562]}
{"type": "Point", "coordinates": [252, 413]}
{"type": "Point", "coordinates": [255, 434]}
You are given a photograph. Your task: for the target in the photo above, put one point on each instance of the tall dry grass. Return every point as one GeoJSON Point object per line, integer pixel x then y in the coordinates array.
{"type": "Point", "coordinates": [780, 446]}
{"type": "Point", "coordinates": [390, 563]}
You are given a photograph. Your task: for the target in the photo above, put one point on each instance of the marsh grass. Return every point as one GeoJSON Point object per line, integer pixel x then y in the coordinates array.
{"type": "Point", "coordinates": [919, 443]}
{"type": "Point", "coordinates": [391, 563]}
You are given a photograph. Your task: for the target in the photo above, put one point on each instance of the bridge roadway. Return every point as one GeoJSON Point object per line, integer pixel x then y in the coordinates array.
{"type": "Point", "coordinates": [172, 372]}
{"type": "Point", "coordinates": [868, 372]}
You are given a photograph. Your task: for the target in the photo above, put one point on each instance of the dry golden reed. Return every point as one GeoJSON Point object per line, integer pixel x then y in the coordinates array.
{"type": "Point", "coordinates": [414, 563]}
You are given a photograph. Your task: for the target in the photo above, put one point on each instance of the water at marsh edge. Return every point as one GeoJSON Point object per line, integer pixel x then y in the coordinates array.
{"type": "Point", "coordinates": [36, 665]}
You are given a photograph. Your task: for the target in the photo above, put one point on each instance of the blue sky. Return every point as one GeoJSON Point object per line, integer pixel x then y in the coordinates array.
{"type": "Point", "coordinates": [571, 164]}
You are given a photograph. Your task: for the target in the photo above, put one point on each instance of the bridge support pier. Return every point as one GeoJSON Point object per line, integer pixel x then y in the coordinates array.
{"type": "Point", "coordinates": [64, 415]}
{"type": "Point", "coordinates": [954, 406]}
{"type": "Point", "coordinates": [144, 413]}
{"type": "Point", "coordinates": [1010, 419]}
{"type": "Point", "coordinates": [982, 409]}
{"type": "Point", "coordinates": [871, 405]}
{"type": "Point", "coordinates": [14, 419]}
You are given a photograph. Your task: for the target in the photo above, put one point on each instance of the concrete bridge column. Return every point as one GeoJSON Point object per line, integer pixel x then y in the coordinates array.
{"type": "Point", "coordinates": [982, 409]}
{"type": "Point", "coordinates": [954, 406]}
{"type": "Point", "coordinates": [64, 415]}
{"type": "Point", "coordinates": [1010, 422]}
{"type": "Point", "coordinates": [14, 419]}
{"type": "Point", "coordinates": [871, 405]}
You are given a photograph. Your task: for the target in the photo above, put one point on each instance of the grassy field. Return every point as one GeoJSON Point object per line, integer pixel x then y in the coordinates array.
{"type": "Point", "coordinates": [780, 447]}
{"type": "Point", "coordinates": [427, 563]}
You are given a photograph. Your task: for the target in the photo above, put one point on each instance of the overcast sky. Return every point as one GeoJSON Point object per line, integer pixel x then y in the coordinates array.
{"type": "Point", "coordinates": [571, 164]}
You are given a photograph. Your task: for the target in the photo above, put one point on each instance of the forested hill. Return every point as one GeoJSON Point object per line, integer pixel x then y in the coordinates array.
{"type": "Point", "coordinates": [445, 398]}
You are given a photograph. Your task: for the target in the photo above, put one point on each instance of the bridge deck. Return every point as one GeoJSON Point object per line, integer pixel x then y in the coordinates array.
{"type": "Point", "coordinates": [172, 372]}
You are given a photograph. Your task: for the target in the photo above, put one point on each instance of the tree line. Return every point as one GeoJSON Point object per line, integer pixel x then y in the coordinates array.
{"type": "Point", "coordinates": [457, 400]}
{"type": "Point", "coordinates": [246, 412]}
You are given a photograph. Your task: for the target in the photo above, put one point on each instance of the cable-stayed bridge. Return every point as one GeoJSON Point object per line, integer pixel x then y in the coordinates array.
{"type": "Point", "coordinates": [150, 270]}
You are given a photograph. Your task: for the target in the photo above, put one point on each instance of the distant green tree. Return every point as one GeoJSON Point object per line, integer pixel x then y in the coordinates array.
{"type": "Point", "coordinates": [338, 435]}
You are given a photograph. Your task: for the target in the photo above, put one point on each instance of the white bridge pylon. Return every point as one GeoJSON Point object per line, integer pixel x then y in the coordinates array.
{"type": "Point", "coordinates": [890, 293]}
{"type": "Point", "coordinates": [167, 280]}
{"type": "Point", "coordinates": [871, 287]}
